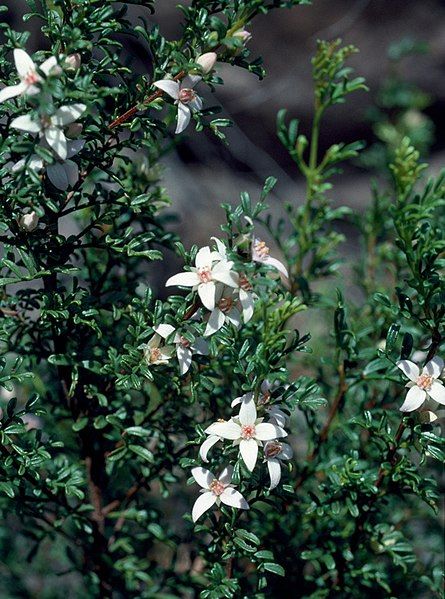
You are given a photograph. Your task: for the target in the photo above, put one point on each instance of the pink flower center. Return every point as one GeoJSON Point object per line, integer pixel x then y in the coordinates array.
{"type": "Point", "coordinates": [184, 342]}
{"type": "Point", "coordinates": [31, 78]}
{"type": "Point", "coordinates": [248, 431]}
{"type": "Point", "coordinates": [225, 304]}
{"type": "Point", "coordinates": [155, 354]}
{"type": "Point", "coordinates": [272, 449]}
{"type": "Point", "coordinates": [217, 487]}
{"type": "Point", "coordinates": [261, 249]}
{"type": "Point", "coordinates": [424, 381]}
{"type": "Point", "coordinates": [205, 274]}
{"type": "Point", "coordinates": [244, 283]}
{"type": "Point", "coordinates": [186, 95]}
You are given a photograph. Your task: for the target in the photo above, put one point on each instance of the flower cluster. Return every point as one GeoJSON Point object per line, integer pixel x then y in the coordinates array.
{"type": "Point", "coordinates": [51, 129]}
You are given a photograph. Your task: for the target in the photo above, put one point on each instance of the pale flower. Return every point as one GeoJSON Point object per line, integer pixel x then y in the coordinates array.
{"type": "Point", "coordinates": [260, 253]}
{"type": "Point", "coordinates": [28, 75]}
{"type": "Point", "coordinates": [157, 353]}
{"type": "Point", "coordinates": [204, 276]}
{"type": "Point", "coordinates": [207, 61]}
{"type": "Point", "coordinates": [207, 445]}
{"type": "Point", "coordinates": [274, 452]}
{"type": "Point", "coordinates": [216, 491]}
{"type": "Point", "coordinates": [224, 312]}
{"type": "Point", "coordinates": [51, 127]}
{"type": "Point", "coordinates": [184, 348]}
{"type": "Point", "coordinates": [243, 35]}
{"type": "Point", "coordinates": [247, 431]}
{"type": "Point", "coordinates": [422, 384]}
{"type": "Point", "coordinates": [28, 222]}
{"type": "Point", "coordinates": [185, 97]}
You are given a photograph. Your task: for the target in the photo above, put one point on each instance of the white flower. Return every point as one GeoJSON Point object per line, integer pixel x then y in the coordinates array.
{"type": "Point", "coordinates": [274, 452]}
{"type": "Point", "coordinates": [29, 77]}
{"type": "Point", "coordinates": [207, 445]}
{"type": "Point", "coordinates": [216, 491]}
{"type": "Point", "coordinates": [185, 97]}
{"type": "Point", "coordinates": [184, 349]}
{"type": "Point", "coordinates": [275, 412]}
{"type": "Point", "coordinates": [155, 352]}
{"type": "Point", "coordinates": [51, 127]}
{"type": "Point", "coordinates": [422, 384]}
{"type": "Point", "coordinates": [260, 253]}
{"type": "Point", "coordinates": [207, 61]}
{"type": "Point", "coordinates": [247, 431]}
{"type": "Point", "coordinates": [246, 297]}
{"type": "Point", "coordinates": [62, 174]}
{"type": "Point", "coordinates": [205, 274]}
{"type": "Point", "coordinates": [225, 311]}
{"type": "Point", "coordinates": [28, 222]}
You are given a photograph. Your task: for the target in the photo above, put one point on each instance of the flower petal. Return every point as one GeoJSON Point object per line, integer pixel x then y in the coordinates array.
{"type": "Point", "coordinates": [221, 272]}
{"type": "Point", "coordinates": [183, 118]}
{"type": "Point", "coordinates": [190, 81]}
{"type": "Point", "coordinates": [206, 292]}
{"type": "Point", "coordinates": [71, 171]}
{"type": "Point", "coordinates": [203, 477]}
{"type": "Point", "coordinates": [66, 115]}
{"type": "Point", "coordinates": [57, 175]}
{"type": "Point", "coordinates": [25, 123]}
{"type": "Point", "coordinates": [204, 257]}
{"type": "Point", "coordinates": [286, 452]}
{"type": "Point", "coordinates": [23, 62]}
{"type": "Point", "coordinates": [277, 416]}
{"type": "Point", "coordinates": [409, 369]}
{"type": "Point", "coordinates": [202, 504]}
{"type": "Point", "coordinates": [168, 86]}
{"type": "Point", "coordinates": [12, 91]}
{"type": "Point", "coordinates": [215, 322]}
{"type": "Point", "coordinates": [234, 317]}
{"type": "Point", "coordinates": [207, 445]}
{"type": "Point", "coordinates": [165, 330]}
{"type": "Point", "coordinates": [414, 399]}
{"type": "Point", "coordinates": [184, 279]}
{"type": "Point", "coordinates": [276, 264]}
{"type": "Point", "coordinates": [196, 103]}
{"type": "Point", "coordinates": [248, 413]}
{"type": "Point", "coordinates": [247, 304]}
{"type": "Point", "coordinates": [184, 358]}
{"type": "Point", "coordinates": [227, 430]}
{"type": "Point", "coordinates": [249, 452]}
{"type": "Point", "coordinates": [74, 146]}
{"type": "Point", "coordinates": [274, 468]}
{"type": "Point", "coordinates": [437, 392]}
{"type": "Point", "coordinates": [226, 474]}
{"type": "Point", "coordinates": [48, 64]}
{"type": "Point", "coordinates": [266, 431]}
{"type": "Point", "coordinates": [232, 497]}
{"type": "Point", "coordinates": [434, 367]}
{"type": "Point", "coordinates": [57, 140]}
{"type": "Point", "coordinates": [201, 346]}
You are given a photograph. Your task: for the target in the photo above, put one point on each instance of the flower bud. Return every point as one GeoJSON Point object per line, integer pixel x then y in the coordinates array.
{"type": "Point", "coordinates": [73, 62]}
{"type": "Point", "coordinates": [28, 222]}
{"type": "Point", "coordinates": [243, 35]}
{"type": "Point", "coordinates": [207, 61]}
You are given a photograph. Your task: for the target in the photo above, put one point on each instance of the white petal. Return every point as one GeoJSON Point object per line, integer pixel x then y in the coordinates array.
{"type": "Point", "coordinates": [409, 369]}
{"type": "Point", "coordinates": [200, 346]}
{"type": "Point", "coordinates": [206, 292]}
{"type": "Point", "coordinates": [266, 431]}
{"type": "Point", "coordinates": [276, 264]}
{"type": "Point", "coordinates": [169, 87]}
{"type": "Point", "coordinates": [434, 367]}
{"type": "Point", "coordinates": [227, 430]}
{"type": "Point", "coordinates": [226, 474]}
{"type": "Point", "coordinates": [247, 304]}
{"type": "Point", "coordinates": [23, 62]}
{"type": "Point", "coordinates": [57, 175]}
{"type": "Point", "coordinates": [414, 399]}
{"type": "Point", "coordinates": [221, 272]}
{"type": "Point", "coordinates": [274, 468]}
{"type": "Point", "coordinates": [286, 452]}
{"type": "Point", "coordinates": [49, 64]}
{"type": "Point", "coordinates": [202, 504]}
{"type": "Point", "coordinates": [184, 358]}
{"type": "Point", "coordinates": [215, 322]}
{"type": "Point", "coordinates": [12, 91]}
{"type": "Point", "coordinates": [74, 146]}
{"type": "Point", "coordinates": [57, 140]}
{"type": "Point", "coordinates": [185, 279]}
{"type": "Point", "coordinates": [234, 317]}
{"type": "Point", "coordinates": [183, 118]}
{"type": "Point", "coordinates": [71, 171]}
{"type": "Point", "coordinates": [437, 392]}
{"type": "Point", "coordinates": [249, 452]}
{"type": "Point", "coordinates": [277, 416]}
{"type": "Point", "coordinates": [203, 477]}
{"type": "Point", "coordinates": [190, 81]}
{"type": "Point", "coordinates": [26, 123]}
{"type": "Point", "coordinates": [232, 497]}
{"type": "Point", "coordinates": [221, 248]}
{"type": "Point", "coordinates": [204, 257]}
{"type": "Point", "coordinates": [248, 413]}
{"type": "Point", "coordinates": [165, 330]}
{"type": "Point", "coordinates": [238, 400]}
{"type": "Point", "coordinates": [66, 115]}
{"type": "Point", "coordinates": [207, 445]}
{"type": "Point", "coordinates": [196, 103]}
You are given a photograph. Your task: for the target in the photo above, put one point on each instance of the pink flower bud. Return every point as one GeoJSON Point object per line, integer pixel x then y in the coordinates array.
{"type": "Point", "coordinates": [207, 61]}
{"type": "Point", "coordinates": [243, 35]}
{"type": "Point", "coordinates": [73, 62]}
{"type": "Point", "coordinates": [28, 222]}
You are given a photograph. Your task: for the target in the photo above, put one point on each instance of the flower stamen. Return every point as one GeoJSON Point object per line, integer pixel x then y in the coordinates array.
{"type": "Point", "coordinates": [217, 487]}
{"type": "Point", "coordinates": [248, 431]}
{"type": "Point", "coordinates": [424, 382]}
{"type": "Point", "coordinates": [186, 95]}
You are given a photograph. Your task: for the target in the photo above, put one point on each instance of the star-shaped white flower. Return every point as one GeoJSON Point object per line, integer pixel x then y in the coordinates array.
{"type": "Point", "coordinates": [260, 253]}
{"type": "Point", "coordinates": [225, 311]}
{"type": "Point", "coordinates": [274, 452]}
{"type": "Point", "coordinates": [216, 491]}
{"type": "Point", "coordinates": [184, 349]}
{"type": "Point", "coordinates": [155, 352]}
{"type": "Point", "coordinates": [203, 277]}
{"type": "Point", "coordinates": [51, 127]}
{"type": "Point", "coordinates": [185, 98]}
{"type": "Point", "coordinates": [28, 75]}
{"type": "Point", "coordinates": [247, 431]}
{"type": "Point", "coordinates": [422, 384]}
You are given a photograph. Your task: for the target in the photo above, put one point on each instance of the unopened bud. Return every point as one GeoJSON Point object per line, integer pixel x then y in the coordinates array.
{"type": "Point", "coordinates": [426, 417]}
{"type": "Point", "coordinates": [207, 61]}
{"type": "Point", "coordinates": [28, 222]}
{"type": "Point", "coordinates": [73, 62]}
{"type": "Point", "coordinates": [243, 35]}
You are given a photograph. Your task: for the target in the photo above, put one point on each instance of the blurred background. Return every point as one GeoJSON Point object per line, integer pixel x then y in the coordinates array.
{"type": "Point", "coordinates": [204, 172]}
